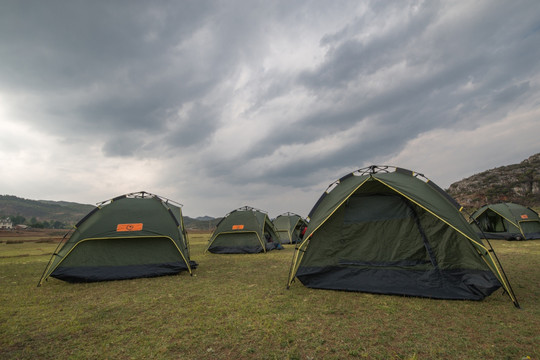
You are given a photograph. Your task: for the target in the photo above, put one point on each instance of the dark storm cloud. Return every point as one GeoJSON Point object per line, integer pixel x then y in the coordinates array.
{"type": "Point", "coordinates": [252, 94]}
{"type": "Point", "coordinates": [511, 93]}
{"type": "Point", "coordinates": [122, 145]}
{"type": "Point", "coordinates": [193, 127]}
{"type": "Point", "coordinates": [116, 69]}
{"type": "Point", "coordinates": [402, 111]}
{"type": "Point", "coordinates": [439, 61]}
{"type": "Point", "coordinates": [69, 43]}
{"type": "Point", "coordinates": [109, 69]}
{"type": "Point", "coordinates": [348, 57]}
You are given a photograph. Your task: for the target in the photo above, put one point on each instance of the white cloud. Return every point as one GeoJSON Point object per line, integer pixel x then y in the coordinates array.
{"type": "Point", "coordinates": [449, 155]}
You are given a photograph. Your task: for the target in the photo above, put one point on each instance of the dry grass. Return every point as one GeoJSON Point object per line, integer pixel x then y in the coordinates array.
{"type": "Point", "coordinates": [237, 306]}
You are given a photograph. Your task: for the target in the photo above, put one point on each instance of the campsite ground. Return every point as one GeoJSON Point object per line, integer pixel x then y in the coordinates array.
{"type": "Point", "coordinates": [237, 306]}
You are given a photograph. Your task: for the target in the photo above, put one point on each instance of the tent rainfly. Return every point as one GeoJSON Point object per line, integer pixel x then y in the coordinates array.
{"type": "Point", "coordinates": [289, 227]}
{"type": "Point", "coordinates": [506, 221]}
{"type": "Point", "coordinates": [389, 230]}
{"type": "Point", "coordinates": [244, 230]}
{"type": "Point", "coordinates": [131, 236]}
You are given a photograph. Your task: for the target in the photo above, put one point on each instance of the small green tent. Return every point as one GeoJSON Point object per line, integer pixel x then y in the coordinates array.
{"type": "Point", "coordinates": [244, 230]}
{"type": "Point", "coordinates": [131, 236]}
{"type": "Point", "coordinates": [289, 227]}
{"type": "Point", "coordinates": [506, 221]}
{"type": "Point", "coordinates": [389, 230]}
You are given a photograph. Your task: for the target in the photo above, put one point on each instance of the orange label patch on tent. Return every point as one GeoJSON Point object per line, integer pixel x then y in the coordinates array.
{"type": "Point", "coordinates": [524, 216]}
{"type": "Point", "coordinates": [237, 227]}
{"type": "Point", "coordinates": [129, 227]}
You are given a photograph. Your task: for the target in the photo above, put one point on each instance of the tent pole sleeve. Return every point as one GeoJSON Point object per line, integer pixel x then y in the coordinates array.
{"type": "Point", "coordinates": [508, 286]}
{"type": "Point", "coordinates": [521, 230]}
{"type": "Point", "coordinates": [298, 254]}
{"type": "Point", "coordinates": [292, 266]}
{"type": "Point", "coordinates": [292, 269]}
{"type": "Point", "coordinates": [210, 243]}
{"type": "Point", "coordinates": [263, 244]}
{"type": "Point", "coordinates": [43, 277]}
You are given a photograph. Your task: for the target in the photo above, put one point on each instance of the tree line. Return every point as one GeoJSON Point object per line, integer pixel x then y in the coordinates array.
{"type": "Point", "coordinates": [34, 223]}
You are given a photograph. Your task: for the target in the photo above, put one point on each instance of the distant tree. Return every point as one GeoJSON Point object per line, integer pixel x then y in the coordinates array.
{"type": "Point", "coordinates": [38, 225]}
{"type": "Point", "coordinates": [58, 225]}
{"type": "Point", "coordinates": [18, 219]}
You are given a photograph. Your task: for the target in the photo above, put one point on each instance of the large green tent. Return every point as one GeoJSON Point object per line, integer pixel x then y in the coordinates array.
{"type": "Point", "coordinates": [131, 236]}
{"type": "Point", "coordinates": [506, 221]}
{"type": "Point", "coordinates": [289, 227]}
{"type": "Point", "coordinates": [389, 230]}
{"type": "Point", "coordinates": [244, 230]}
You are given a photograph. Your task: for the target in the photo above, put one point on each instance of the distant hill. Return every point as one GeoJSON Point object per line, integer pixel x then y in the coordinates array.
{"type": "Point", "coordinates": [69, 213]}
{"type": "Point", "coordinates": [519, 183]}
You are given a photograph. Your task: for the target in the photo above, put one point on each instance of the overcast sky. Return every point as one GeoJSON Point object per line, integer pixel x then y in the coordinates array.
{"type": "Point", "coordinates": [221, 104]}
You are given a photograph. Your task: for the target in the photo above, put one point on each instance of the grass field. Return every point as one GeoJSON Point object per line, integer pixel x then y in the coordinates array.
{"type": "Point", "coordinates": [238, 307]}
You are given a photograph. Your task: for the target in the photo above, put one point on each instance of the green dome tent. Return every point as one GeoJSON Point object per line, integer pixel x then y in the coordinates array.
{"type": "Point", "coordinates": [506, 221]}
{"type": "Point", "coordinates": [289, 227]}
{"type": "Point", "coordinates": [244, 230]}
{"type": "Point", "coordinates": [389, 230]}
{"type": "Point", "coordinates": [131, 236]}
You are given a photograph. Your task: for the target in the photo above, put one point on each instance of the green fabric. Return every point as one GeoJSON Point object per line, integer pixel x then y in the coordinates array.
{"type": "Point", "coordinates": [283, 228]}
{"type": "Point", "coordinates": [284, 236]}
{"type": "Point", "coordinates": [97, 242]}
{"type": "Point", "coordinates": [120, 252]}
{"type": "Point", "coordinates": [371, 229]}
{"type": "Point", "coordinates": [530, 226]}
{"type": "Point", "coordinates": [238, 239]}
{"type": "Point", "coordinates": [368, 240]}
{"type": "Point", "coordinates": [288, 227]}
{"type": "Point", "coordinates": [428, 198]}
{"type": "Point", "coordinates": [494, 223]}
{"type": "Point", "coordinates": [507, 218]}
{"type": "Point", "coordinates": [243, 228]}
{"type": "Point", "coordinates": [411, 187]}
{"type": "Point", "coordinates": [390, 237]}
{"type": "Point", "coordinates": [384, 233]}
{"type": "Point", "coordinates": [283, 223]}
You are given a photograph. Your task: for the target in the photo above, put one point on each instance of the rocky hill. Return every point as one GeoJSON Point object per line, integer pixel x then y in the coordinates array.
{"type": "Point", "coordinates": [519, 183]}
